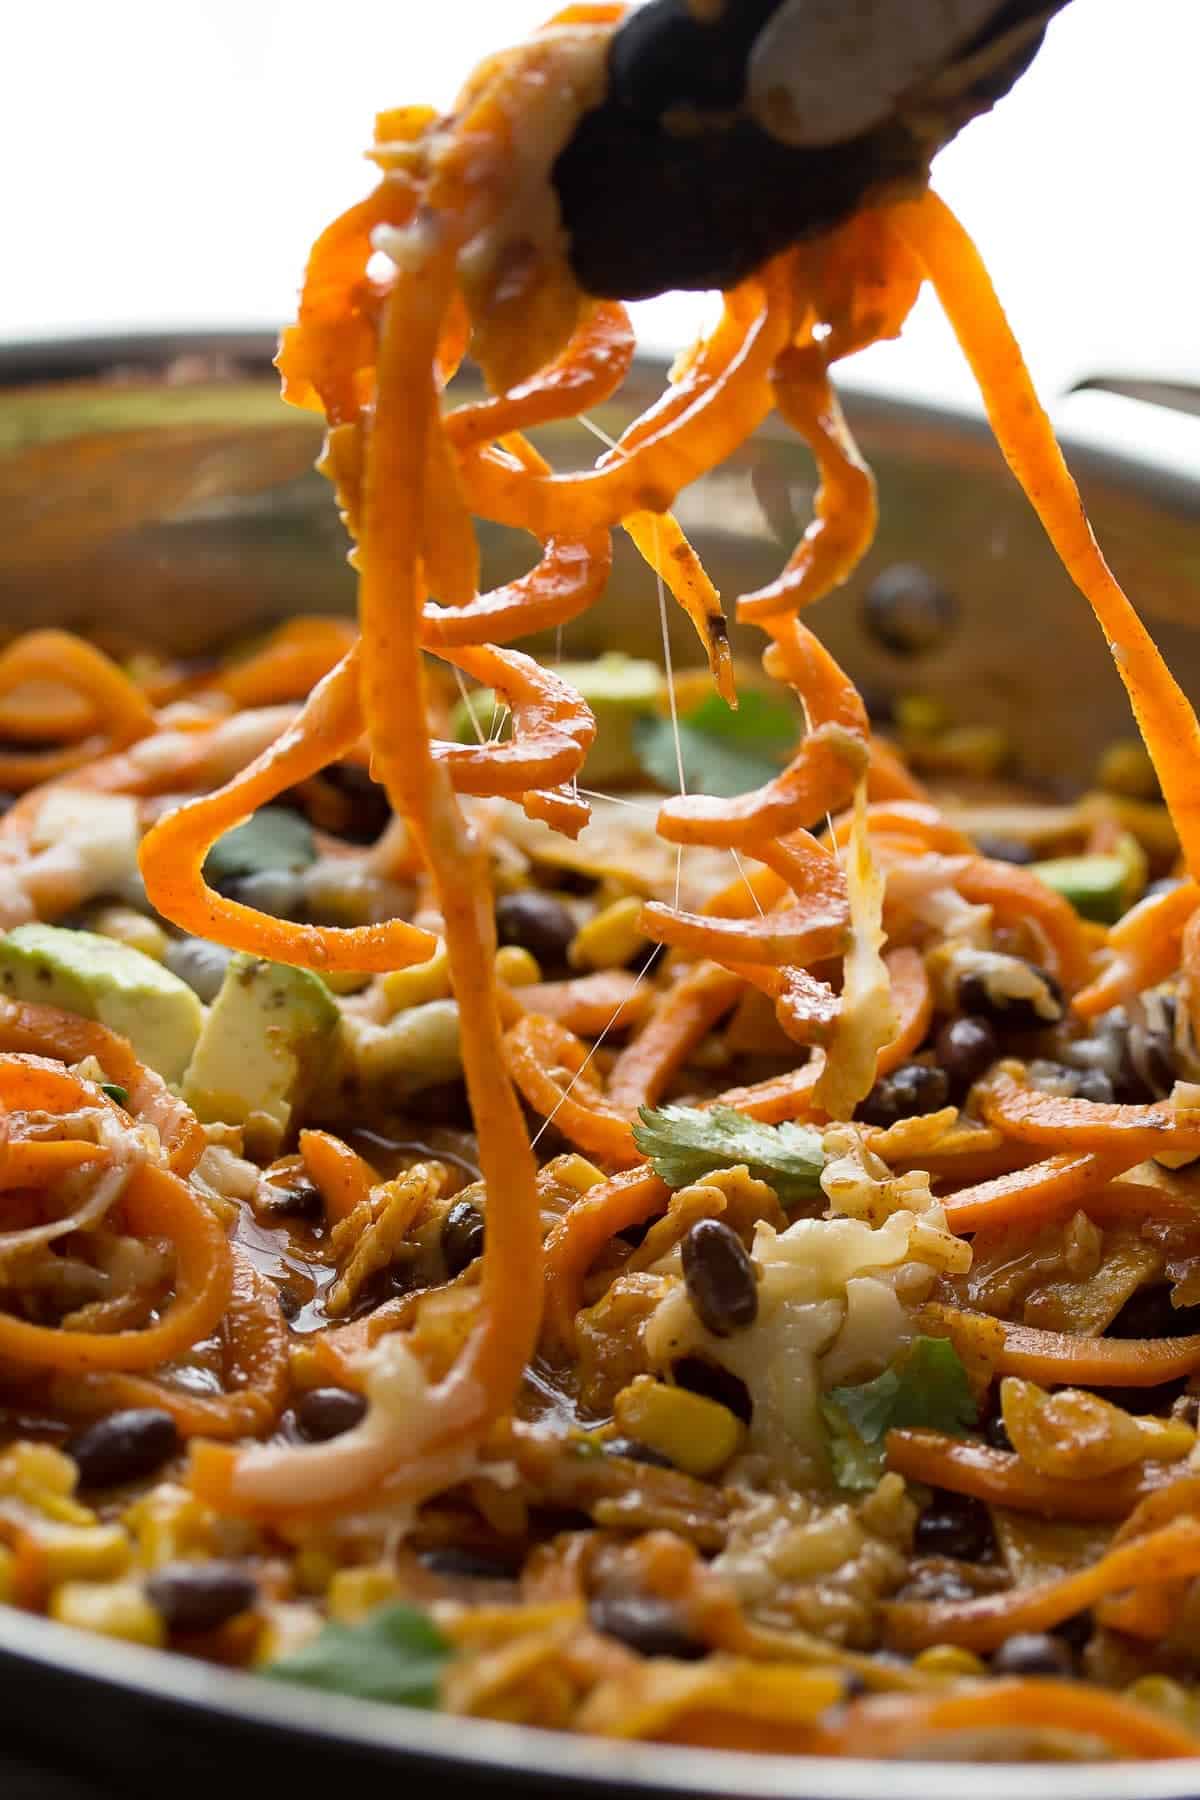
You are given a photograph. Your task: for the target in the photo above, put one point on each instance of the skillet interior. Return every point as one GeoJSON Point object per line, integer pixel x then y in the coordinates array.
{"type": "Point", "coordinates": [157, 486]}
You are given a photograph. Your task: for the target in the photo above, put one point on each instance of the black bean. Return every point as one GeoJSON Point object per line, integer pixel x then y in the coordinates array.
{"type": "Point", "coordinates": [1147, 1065]}
{"type": "Point", "coordinates": [647, 1624]}
{"type": "Point", "coordinates": [279, 892]}
{"type": "Point", "coordinates": [1033, 1653]}
{"type": "Point", "coordinates": [327, 1412]}
{"type": "Point", "coordinates": [1002, 849]}
{"type": "Point", "coordinates": [1009, 1012]}
{"type": "Point", "coordinates": [955, 1525]}
{"type": "Point", "coordinates": [1094, 1084]}
{"type": "Point", "coordinates": [995, 1432]}
{"type": "Point", "coordinates": [633, 1451]}
{"type": "Point", "coordinates": [966, 1048]}
{"type": "Point", "coordinates": [463, 1233]}
{"type": "Point", "coordinates": [366, 813]}
{"type": "Point", "coordinates": [714, 1382]}
{"type": "Point", "coordinates": [303, 1201]}
{"type": "Point", "coordinates": [1077, 1630]}
{"type": "Point", "coordinates": [123, 1447]}
{"type": "Point", "coordinates": [201, 964]}
{"type": "Point", "coordinates": [200, 1596]}
{"type": "Point", "coordinates": [720, 1278]}
{"type": "Point", "coordinates": [538, 923]}
{"type": "Point", "coordinates": [910, 1090]}
{"type": "Point", "coordinates": [474, 1565]}
{"type": "Point", "coordinates": [907, 610]}
{"type": "Point", "coordinates": [1148, 1313]}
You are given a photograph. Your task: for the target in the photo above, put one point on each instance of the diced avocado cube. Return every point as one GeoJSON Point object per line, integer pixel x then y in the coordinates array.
{"type": "Point", "coordinates": [618, 688]}
{"type": "Point", "coordinates": [1095, 885]}
{"type": "Point", "coordinates": [101, 979]}
{"type": "Point", "coordinates": [260, 1052]}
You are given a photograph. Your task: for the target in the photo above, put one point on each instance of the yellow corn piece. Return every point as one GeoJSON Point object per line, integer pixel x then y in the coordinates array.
{"type": "Point", "coordinates": [698, 1435]}
{"type": "Point", "coordinates": [949, 1660]}
{"type": "Point", "coordinates": [609, 939]}
{"type": "Point", "coordinates": [287, 1626]}
{"type": "Point", "coordinates": [44, 1479]}
{"type": "Point", "coordinates": [168, 1524]}
{"type": "Point", "coordinates": [313, 1569]}
{"type": "Point", "coordinates": [353, 1593]}
{"type": "Point", "coordinates": [425, 981]}
{"type": "Point", "coordinates": [1124, 768]}
{"type": "Point", "coordinates": [7, 1564]}
{"type": "Point", "coordinates": [344, 981]}
{"type": "Point", "coordinates": [1165, 1696]}
{"type": "Point", "coordinates": [82, 1552]}
{"type": "Point", "coordinates": [115, 1609]}
{"type": "Point", "coordinates": [517, 967]}
{"type": "Point", "coordinates": [127, 926]}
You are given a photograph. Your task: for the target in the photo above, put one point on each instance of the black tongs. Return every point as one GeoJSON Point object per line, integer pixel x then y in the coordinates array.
{"type": "Point", "coordinates": [733, 128]}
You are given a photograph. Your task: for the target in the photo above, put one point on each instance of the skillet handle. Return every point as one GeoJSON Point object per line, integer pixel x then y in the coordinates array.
{"type": "Point", "coordinates": [1175, 396]}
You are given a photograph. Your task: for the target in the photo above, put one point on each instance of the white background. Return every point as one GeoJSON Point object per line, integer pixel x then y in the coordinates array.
{"type": "Point", "coordinates": [167, 165]}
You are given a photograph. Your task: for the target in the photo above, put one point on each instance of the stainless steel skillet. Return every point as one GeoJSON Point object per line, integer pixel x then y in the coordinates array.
{"type": "Point", "coordinates": [157, 489]}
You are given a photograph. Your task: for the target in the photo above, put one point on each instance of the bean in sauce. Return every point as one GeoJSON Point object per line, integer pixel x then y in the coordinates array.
{"type": "Point", "coordinates": [538, 923]}
{"type": "Point", "coordinates": [955, 1525]}
{"type": "Point", "coordinates": [645, 1623]}
{"type": "Point", "coordinates": [200, 1596]}
{"type": "Point", "coordinates": [327, 1412]}
{"type": "Point", "coordinates": [463, 1233]}
{"type": "Point", "coordinates": [908, 1092]}
{"type": "Point", "coordinates": [966, 1048]}
{"type": "Point", "coordinates": [125, 1446]}
{"type": "Point", "coordinates": [1034, 1653]}
{"type": "Point", "coordinates": [720, 1278]}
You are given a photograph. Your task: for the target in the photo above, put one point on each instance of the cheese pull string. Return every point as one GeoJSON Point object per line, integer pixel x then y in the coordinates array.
{"type": "Point", "coordinates": [1164, 715]}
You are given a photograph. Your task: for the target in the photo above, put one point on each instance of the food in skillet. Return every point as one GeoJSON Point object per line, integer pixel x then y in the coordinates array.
{"type": "Point", "coordinates": [712, 1268]}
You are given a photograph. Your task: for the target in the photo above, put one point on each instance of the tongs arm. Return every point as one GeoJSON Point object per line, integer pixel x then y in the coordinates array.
{"type": "Point", "coordinates": [732, 128]}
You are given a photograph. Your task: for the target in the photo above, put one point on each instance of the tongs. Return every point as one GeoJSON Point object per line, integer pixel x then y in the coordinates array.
{"type": "Point", "coordinates": [733, 128]}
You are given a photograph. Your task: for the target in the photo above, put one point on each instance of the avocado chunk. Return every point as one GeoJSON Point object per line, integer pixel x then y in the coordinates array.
{"type": "Point", "coordinates": [618, 688]}
{"type": "Point", "coordinates": [267, 1034]}
{"type": "Point", "coordinates": [1096, 886]}
{"type": "Point", "coordinates": [101, 979]}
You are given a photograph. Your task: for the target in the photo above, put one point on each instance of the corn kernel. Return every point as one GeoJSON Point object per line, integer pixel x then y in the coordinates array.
{"type": "Point", "coordinates": [429, 980]}
{"type": "Point", "coordinates": [698, 1435]}
{"type": "Point", "coordinates": [949, 1660]}
{"type": "Point", "coordinates": [1164, 1695]}
{"type": "Point", "coordinates": [1125, 768]}
{"type": "Point", "coordinates": [609, 939]}
{"type": "Point", "coordinates": [286, 1626]}
{"type": "Point", "coordinates": [82, 1552]}
{"type": "Point", "coordinates": [115, 1609]}
{"type": "Point", "coordinates": [313, 1570]}
{"type": "Point", "coordinates": [8, 1563]}
{"type": "Point", "coordinates": [127, 926]}
{"type": "Point", "coordinates": [344, 981]}
{"type": "Point", "coordinates": [517, 967]}
{"type": "Point", "coordinates": [353, 1593]}
{"type": "Point", "coordinates": [168, 1524]}
{"type": "Point", "coordinates": [32, 1471]}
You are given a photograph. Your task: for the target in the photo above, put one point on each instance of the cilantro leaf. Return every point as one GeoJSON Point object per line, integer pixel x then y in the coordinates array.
{"type": "Point", "coordinates": [926, 1387]}
{"type": "Point", "coordinates": [686, 1143]}
{"type": "Point", "coordinates": [724, 752]}
{"type": "Point", "coordinates": [396, 1654]}
{"type": "Point", "coordinates": [275, 838]}
{"type": "Point", "coordinates": [857, 1466]}
{"type": "Point", "coordinates": [115, 1091]}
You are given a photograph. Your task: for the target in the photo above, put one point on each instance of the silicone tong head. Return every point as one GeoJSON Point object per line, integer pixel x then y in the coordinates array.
{"type": "Point", "coordinates": [733, 128]}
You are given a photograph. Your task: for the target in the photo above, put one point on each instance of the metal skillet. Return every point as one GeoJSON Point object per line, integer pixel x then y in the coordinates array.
{"type": "Point", "coordinates": [158, 489]}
